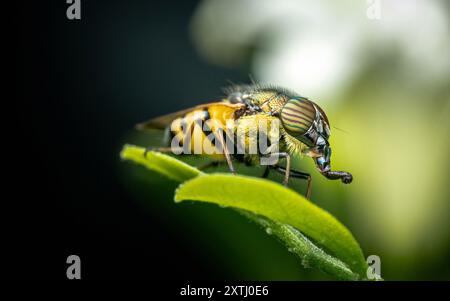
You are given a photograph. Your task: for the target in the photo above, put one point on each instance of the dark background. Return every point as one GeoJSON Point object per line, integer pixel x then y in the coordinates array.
{"type": "Point", "coordinates": [78, 98]}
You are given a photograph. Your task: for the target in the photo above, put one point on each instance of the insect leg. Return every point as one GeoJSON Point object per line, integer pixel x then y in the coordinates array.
{"type": "Point", "coordinates": [266, 172]}
{"type": "Point", "coordinates": [288, 166]}
{"type": "Point", "coordinates": [299, 175]}
{"type": "Point", "coordinates": [228, 158]}
{"type": "Point", "coordinates": [226, 152]}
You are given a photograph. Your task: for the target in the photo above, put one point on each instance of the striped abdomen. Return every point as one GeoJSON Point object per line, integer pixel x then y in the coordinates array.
{"type": "Point", "coordinates": [197, 131]}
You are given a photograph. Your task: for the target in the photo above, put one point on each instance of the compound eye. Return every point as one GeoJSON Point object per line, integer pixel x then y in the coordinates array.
{"type": "Point", "coordinates": [297, 116]}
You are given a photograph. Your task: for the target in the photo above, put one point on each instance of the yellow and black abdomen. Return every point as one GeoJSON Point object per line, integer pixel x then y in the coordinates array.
{"type": "Point", "coordinates": [201, 130]}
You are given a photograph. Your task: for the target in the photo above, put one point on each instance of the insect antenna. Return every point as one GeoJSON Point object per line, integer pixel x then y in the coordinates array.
{"type": "Point", "coordinates": [341, 130]}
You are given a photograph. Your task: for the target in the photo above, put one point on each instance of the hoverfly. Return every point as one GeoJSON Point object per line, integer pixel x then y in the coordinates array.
{"type": "Point", "coordinates": [302, 127]}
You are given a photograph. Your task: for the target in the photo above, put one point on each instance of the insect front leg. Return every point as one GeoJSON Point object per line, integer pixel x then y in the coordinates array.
{"type": "Point", "coordinates": [288, 165]}
{"type": "Point", "coordinates": [299, 175]}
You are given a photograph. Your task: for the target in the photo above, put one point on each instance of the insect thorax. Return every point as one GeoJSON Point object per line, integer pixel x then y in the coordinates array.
{"type": "Point", "coordinates": [259, 99]}
{"type": "Point", "coordinates": [267, 100]}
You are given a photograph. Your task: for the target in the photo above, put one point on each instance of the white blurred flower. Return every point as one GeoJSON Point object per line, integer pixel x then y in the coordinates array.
{"type": "Point", "coordinates": [317, 47]}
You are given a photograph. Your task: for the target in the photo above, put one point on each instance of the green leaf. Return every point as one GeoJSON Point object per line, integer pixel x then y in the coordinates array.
{"type": "Point", "coordinates": [309, 254]}
{"type": "Point", "coordinates": [166, 165]}
{"type": "Point", "coordinates": [278, 203]}
{"type": "Point", "coordinates": [281, 211]}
